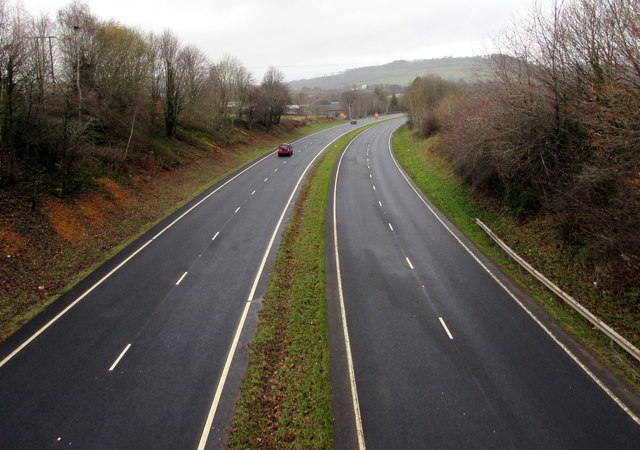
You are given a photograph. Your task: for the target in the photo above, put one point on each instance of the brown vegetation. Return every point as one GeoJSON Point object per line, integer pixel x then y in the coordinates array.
{"type": "Point", "coordinates": [11, 243]}
{"type": "Point", "coordinates": [46, 247]}
{"type": "Point", "coordinates": [96, 118]}
{"type": "Point", "coordinates": [82, 98]}
{"type": "Point", "coordinates": [557, 133]}
{"type": "Point", "coordinates": [63, 220]}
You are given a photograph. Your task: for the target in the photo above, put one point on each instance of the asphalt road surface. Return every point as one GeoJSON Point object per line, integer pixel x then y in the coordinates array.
{"type": "Point", "coordinates": [149, 351]}
{"type": "Point", "coordinates": [442, 354]}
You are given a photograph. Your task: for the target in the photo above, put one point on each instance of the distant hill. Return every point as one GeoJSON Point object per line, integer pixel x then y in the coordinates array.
{"type": "Point", "coordinates": [399, 72]}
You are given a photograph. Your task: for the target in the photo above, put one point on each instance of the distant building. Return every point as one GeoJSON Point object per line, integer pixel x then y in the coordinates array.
{"type": "Point", "coordinates": [292, 110]}
{"type": "Point", "coordinates": [323, 106]}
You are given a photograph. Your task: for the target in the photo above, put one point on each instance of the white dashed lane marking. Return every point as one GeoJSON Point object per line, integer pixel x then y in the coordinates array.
{"type": "Point", "coordinates": [113, 366]}
{"type": "Point", "coordinates": [444, 325]}
{"type": "Point", "coordinates": [181, 278]}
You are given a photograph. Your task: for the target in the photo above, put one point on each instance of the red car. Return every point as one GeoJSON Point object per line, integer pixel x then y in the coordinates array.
{"type": "Point", "coordinates": [285, 150]}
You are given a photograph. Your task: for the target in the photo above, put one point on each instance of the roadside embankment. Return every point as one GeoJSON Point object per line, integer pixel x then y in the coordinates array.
{"type": "Point", "coordinates": [535, 240]}
{"type": "Point", "coordinates": [47, 246]}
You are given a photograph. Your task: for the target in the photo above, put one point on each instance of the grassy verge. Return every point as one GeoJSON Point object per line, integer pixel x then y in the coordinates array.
{"type": "Point", "coordinates": [533, 241]}
{"type": "Point", "coordinates": [44, 264]}
{"type": "Point", "coordinates": [286, 395]}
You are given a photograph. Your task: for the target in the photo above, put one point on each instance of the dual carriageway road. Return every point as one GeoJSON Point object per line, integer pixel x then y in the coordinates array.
{"type": "Point", "coordinates": [149, 351]}
{"type": "Point", "coordinates": [440, 349]}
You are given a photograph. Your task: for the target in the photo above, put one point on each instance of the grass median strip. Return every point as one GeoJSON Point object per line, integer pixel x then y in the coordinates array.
{"type": "Point", "coordinates": [286, 394]}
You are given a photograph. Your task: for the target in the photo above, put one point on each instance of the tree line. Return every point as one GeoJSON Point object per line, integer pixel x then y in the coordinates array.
{"type": "Point", "coordinates": [557, 129]}
{"type": "Point", "coordinates": [78, 91]}
{"type": "Point", "coordinates": [363, 103]}
{"type": "Point", "coordinates": [354, 101]}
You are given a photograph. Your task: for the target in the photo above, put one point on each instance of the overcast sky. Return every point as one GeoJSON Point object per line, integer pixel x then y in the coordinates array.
{"type": "Point", "coordinates": [305, 38]}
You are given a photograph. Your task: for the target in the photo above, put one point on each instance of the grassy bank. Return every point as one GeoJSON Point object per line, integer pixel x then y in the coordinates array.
{"type": "Point", "coordinates": [286, 396]}
{"type": "Point", "coordinates": [48, 249]}
{"type": "Point", "coordinates": [535, 242]}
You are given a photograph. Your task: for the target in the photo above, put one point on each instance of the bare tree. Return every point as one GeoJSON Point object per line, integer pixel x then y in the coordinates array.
{"type": "Point", "coordinates": [12, 60]}
{"type": "Point", "coordinates": [222, 75]}
{"type": "Point", "coordinates": [274, 96]}
{"type": "Point", "coordinates": [421, 100]}
{"type": "Point", "coordinates": [154, 77]}
{"type": "Point", "coordinates": [78, 93]}
{"type": "Point", "coordinates": [79, 49]}
{"type": "Point", "coordinates": [195, 71]}
{"type": "Point", "coordinates": [558, 128]}
{"type": "Point", "coordinates": [173, 80]}
{"type": "Point", "coordinates": [348, 101]}
{"type": "Point", "coordinates": [242, 87]}
{"type": "Point", "coordinates": [195, 68]}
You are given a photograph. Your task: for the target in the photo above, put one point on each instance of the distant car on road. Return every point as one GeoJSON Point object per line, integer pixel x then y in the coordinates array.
{"type": "Point", "coordinates": [285, 150]}
{"type": "Point", "coordinates": [353, 122]}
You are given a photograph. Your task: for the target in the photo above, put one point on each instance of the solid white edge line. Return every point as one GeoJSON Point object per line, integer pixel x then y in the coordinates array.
{"type": "Point", "coordinates": [446, 328]}
{"type": "Point", "coordinates": [225, 372]}
{"type": "Point", "coordinates": [88, 291]}
{"type": "Point", "coordinates": [602, 386]}
{"type": "Point", "coordinates": [409, 262]}
{"type": "Point", "coordinates": [113, 366]}
{"type": "Point", "coordinates": [181, 278]}
{"type": "Point", "coordinates": [71, 305]}
{"type": "Point", "coordinates": [345, 329]}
